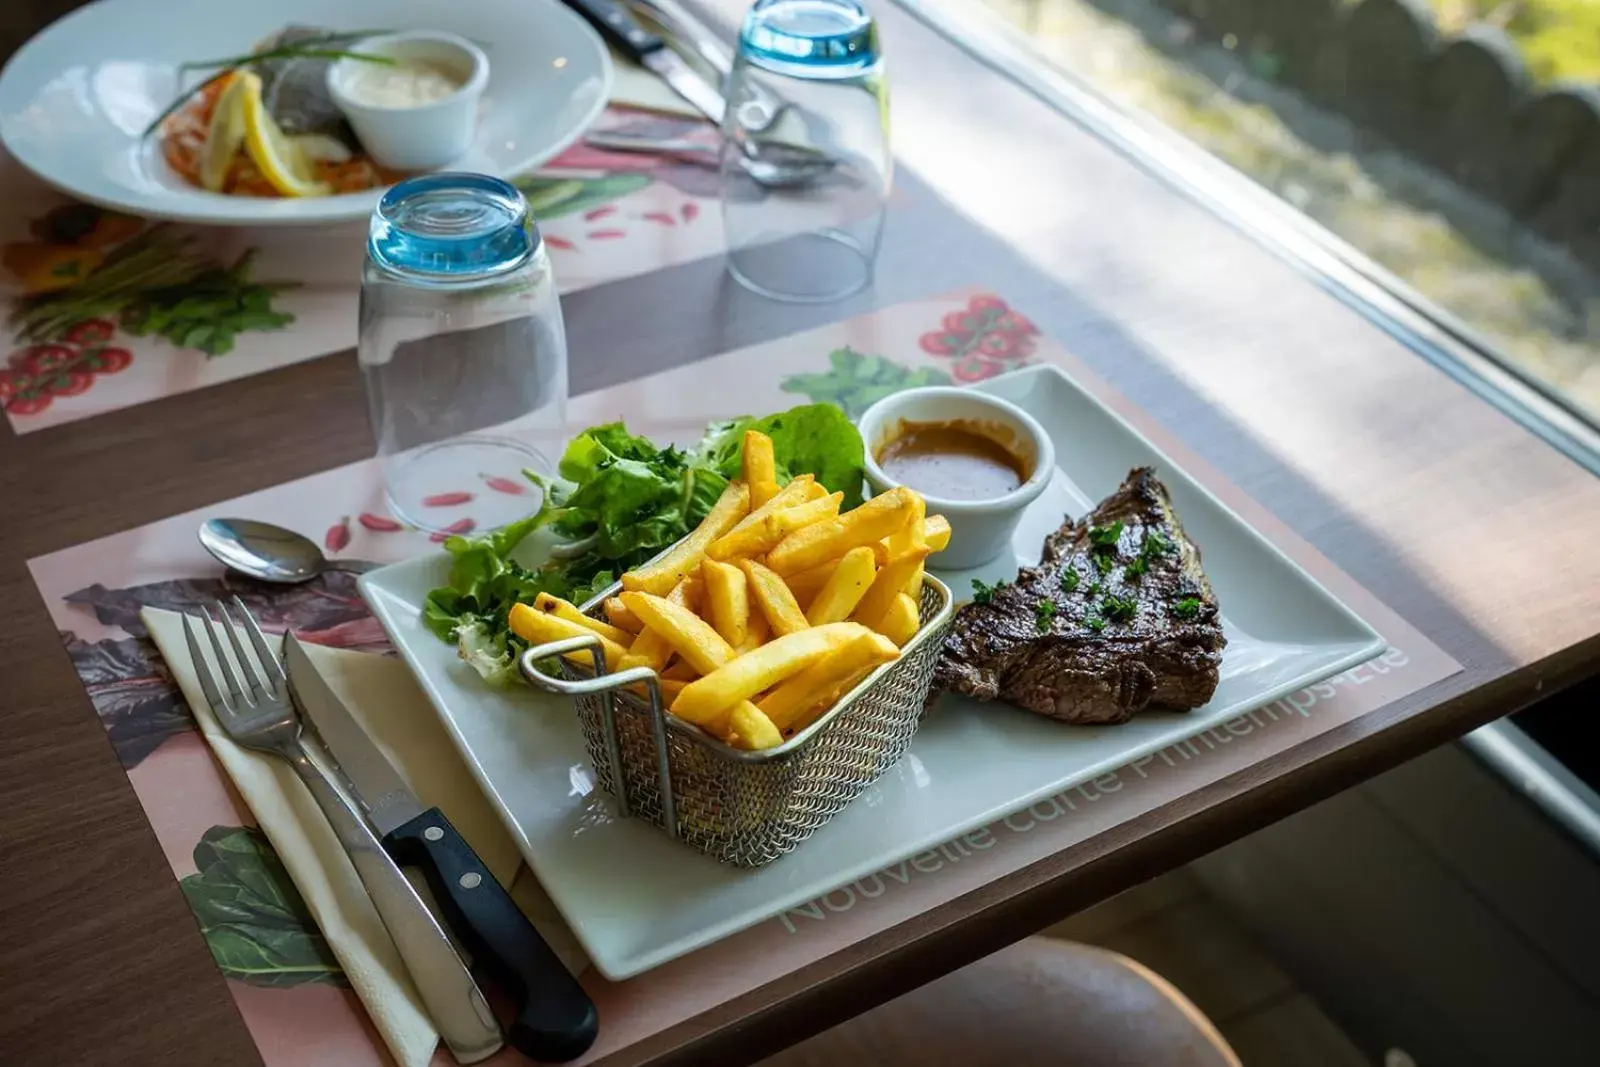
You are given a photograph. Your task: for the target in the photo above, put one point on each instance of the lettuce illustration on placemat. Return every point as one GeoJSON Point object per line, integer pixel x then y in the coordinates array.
{"type": "Point", "coordinates": [253, 918]}
{"type": "Point", "coordinates": [856, 381]}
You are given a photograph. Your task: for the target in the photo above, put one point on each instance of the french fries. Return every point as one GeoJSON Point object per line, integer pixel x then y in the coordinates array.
{"type": "Point", "coordinates": [762, 528]}
{"type": "Point", "coordinates": [554, 605]}
{"type": "Point", "coordinates": [822, 541]}
{"type": "Point", "coordinates": [670, 688]}
{"type": "Point", "coordinates": [728, 600]}
{"type": "Point", "coordinates": [756, 633]}
{"type": "Point", "coordinates": [849, 581]}
{"type": "Point", "coordinates": [777, 603]}
{"type": "Point", "coordinates": [538, 628]}
{"type": "Point", "coordinates": [759, 467]}
{"type": "Point", "coordinates": [749, 727]}
{"type": "Point", "coordinates": [821, 684]}
{"type": "Point", "coordinates": [890, 581]}
{"type": "Point", "coordinates": [899, 624]}
{"type": "Point", "coordinates": [719, 617]}
{"type": "Point", "coordinates": [689, 635]}
{"type": "Point", "coordinates": [660, 576]}
{"type": "Point", "coordinates": [744, 676]}
{"type": "Point", "coordinates": [808, 583]}
{"type": "Point", "coordinates": [911, 537]}
{"type": "Point", "coordinates": [650, 649]}
{"type": "Point", "coordinates": [621, 617]}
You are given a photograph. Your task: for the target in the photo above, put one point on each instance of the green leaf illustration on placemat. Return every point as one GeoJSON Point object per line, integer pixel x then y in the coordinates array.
{"type": "Point", "coordinates": [856, 381]}
{"type": "Point", "coordinates": [210, 310]}
{"type": "Point", "coordinates": [254, 920]}
{"type": "Point", "coordinates": [552, 198]}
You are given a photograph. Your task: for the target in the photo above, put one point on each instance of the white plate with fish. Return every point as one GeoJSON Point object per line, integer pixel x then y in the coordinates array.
{"type": "Point", "coordinates": [78, 101]}
{"type": "Point", "coordinates": [636, 899]}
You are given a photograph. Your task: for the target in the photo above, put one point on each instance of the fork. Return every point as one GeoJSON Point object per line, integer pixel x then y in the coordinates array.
{"type": "Point", "coordinates": [259, 714]}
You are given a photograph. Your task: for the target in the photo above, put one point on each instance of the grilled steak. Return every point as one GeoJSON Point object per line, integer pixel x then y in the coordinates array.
{"type": "Point", "coordinates": [1117, 617]}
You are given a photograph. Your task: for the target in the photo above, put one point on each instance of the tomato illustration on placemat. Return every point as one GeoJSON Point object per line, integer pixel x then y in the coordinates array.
{"type": "Point", "coordinates": [983, 339]}
{"type": "Point", "coordinates": [90, 274]}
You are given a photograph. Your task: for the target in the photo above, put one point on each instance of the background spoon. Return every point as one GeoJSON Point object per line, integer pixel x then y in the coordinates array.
{"type": "Point", "coordinates": [271, 553]}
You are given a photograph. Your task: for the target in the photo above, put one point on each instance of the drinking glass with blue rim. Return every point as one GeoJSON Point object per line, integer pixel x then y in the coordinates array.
{"type": "Point", "coordinates": [462, 351]}
{"type": "Point", "coordinates": [806, 168]}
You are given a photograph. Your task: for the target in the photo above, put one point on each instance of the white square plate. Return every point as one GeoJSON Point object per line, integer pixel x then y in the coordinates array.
{"type": "Point", "coordinates": [636, 900]}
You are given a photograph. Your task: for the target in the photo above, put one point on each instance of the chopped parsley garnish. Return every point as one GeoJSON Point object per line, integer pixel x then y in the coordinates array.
{"type": "Point", "coordinates": [1095, 624]}
{"type": "Point", "coordinates": [1103, 564]}
{"type": "Point", "coordinates": [1069, 580]}
{"type": "Point", "coordinates": [1094, 590]}
{"type": "Point", "coordinates": [983, 593]}
{"type": "Point", "coordinates": [1134, 570]}
{"type": "Point", "coordinates": [1043, 613]}
{"type": "Point", "coordinates": [1105, 537]}
{"type": "Point", "coordinates": [1155, 544]}
{"type": "Point", "coordinates": [1187, 608]}
{"type": "Point", "coordinates": [1119, 608]}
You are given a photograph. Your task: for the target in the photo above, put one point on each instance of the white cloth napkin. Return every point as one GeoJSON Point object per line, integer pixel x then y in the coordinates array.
{"type": "Point", "coordinates": [381, 693]}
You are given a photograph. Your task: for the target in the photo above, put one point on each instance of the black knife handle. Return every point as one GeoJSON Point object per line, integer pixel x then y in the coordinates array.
{"type": "Point", "coordinates": [556, 1021]}
{"type": "Point", "coordinates": [617, 25]}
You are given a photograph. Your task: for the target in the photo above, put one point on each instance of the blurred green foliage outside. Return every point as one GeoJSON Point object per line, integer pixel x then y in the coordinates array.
{"type": "Point", "coordinates": [1559, 38]}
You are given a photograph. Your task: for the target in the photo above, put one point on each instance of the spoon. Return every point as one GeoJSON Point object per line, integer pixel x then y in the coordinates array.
{"type": "Point", "coordinates": [772, 165]}
{"type": "Point", "coordinates": [271, 553]}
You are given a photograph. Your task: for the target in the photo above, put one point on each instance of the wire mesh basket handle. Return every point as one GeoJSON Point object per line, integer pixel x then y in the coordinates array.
{"type": "Point", "coordinates": [605, 686]}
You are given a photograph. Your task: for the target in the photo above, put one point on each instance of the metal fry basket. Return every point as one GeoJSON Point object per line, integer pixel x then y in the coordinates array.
{"type": "Point", "coordinates": [743, 808]}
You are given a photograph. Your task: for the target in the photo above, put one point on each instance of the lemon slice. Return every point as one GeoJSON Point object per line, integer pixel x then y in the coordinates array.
{"type": "Point", "coordinates": [281, 161]}
{"type": "Point", "coordinates": [225, 135]}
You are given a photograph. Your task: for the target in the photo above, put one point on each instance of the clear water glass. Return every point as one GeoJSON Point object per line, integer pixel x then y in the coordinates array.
{"type": "Point", "coordinates": [462, 350]}
{"type": "Point", "coordinates": [806, 168]}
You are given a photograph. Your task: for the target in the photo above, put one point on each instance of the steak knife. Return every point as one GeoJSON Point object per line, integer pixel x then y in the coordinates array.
{"type": "Point", "coordinates": [555, 1019]}
{"type": "Point", "coordinates": [617, 25]}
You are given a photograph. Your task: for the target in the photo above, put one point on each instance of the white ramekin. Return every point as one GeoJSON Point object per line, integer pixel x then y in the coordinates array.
{"type": "Point", "coordinates": [429, 135]}
{"type": "Point", "coordinates": [979, 529]}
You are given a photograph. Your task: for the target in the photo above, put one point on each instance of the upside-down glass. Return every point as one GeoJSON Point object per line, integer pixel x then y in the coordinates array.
{"type": "Point", "coordinates": [805, 160]}
{"type": "Point", "coordinates": [462, 350]}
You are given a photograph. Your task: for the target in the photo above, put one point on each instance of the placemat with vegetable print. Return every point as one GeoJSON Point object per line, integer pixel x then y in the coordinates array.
{"type": "Point", "coordinates": [103, 311]}
{"type": "Point", "coordinates": [288, 987]}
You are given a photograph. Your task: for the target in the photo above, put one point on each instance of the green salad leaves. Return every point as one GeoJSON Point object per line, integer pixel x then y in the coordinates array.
{"type": "Point", "coordinates": [620, 500]}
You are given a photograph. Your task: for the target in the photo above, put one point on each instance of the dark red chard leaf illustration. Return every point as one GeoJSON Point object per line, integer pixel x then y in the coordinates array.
{"type": "Point", "coordinates": [326, 610]}
{"type": "Point", "coordinates": [135, 696]}
{"type": "Point", "coordinates": [133, 692]}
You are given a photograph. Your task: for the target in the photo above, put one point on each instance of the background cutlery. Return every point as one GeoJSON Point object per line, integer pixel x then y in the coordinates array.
{"type": "Point", "coordinates": [775, 165]}
{"type": "Point", "coordinates": [555, 1020]}
{"type": "Point", "coordinates": [255, 710]}
{"type": "Point", "coordinates": [271, 553]}
{"type": "Point", "coordinates": [618, 26]}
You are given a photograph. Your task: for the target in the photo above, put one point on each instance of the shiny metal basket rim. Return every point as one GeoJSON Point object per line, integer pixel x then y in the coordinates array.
{"type": "Point", "coordinates": [929, 627]}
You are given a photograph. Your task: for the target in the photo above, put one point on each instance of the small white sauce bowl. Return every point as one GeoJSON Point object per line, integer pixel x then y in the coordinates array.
{"type": "Point", "coordinates": [979, 529]}
{"type": "Point", "coordinates": [426, 136]}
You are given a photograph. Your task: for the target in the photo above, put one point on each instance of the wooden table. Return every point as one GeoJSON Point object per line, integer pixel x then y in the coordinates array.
{"type": "Point", "coordinates": [1474, 530]}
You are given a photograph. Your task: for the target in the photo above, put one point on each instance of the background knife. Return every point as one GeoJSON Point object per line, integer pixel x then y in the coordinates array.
{"type": "Point", "coordinates": [555, 1020]}
{"type": "Point", "coordinates": [618, 26]}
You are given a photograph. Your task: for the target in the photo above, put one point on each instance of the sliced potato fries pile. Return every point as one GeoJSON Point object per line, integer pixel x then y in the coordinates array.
{"type": "Point", "coordinates": [773, 608]}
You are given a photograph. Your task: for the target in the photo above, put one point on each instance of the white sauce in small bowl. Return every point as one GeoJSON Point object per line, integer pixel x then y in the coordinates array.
{"type": "Point", "coordinates": [403, 84]}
